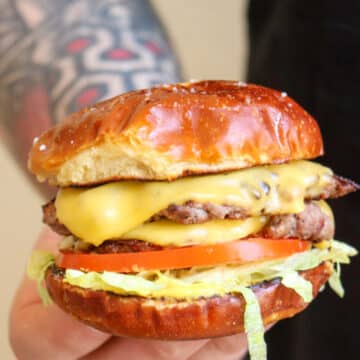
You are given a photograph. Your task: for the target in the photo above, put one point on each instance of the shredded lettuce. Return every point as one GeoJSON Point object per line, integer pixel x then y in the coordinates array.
{"type": "Point", "coordinates": [342, 251]}
{"type": "Point", "coordinates": [335, 281]}
{"type": "Point", "coordinates": [110, 281]}
{"type": "Point", "coordinates": [294, 281]}
{"type": "Point", "coordinates": [206, 282]}
{"type": "Point", "coordinates": [36, 268]}
{"type": "Point", "coordinates": [253, 325]}
{"type": "Point", "coordinates": [218, 280]}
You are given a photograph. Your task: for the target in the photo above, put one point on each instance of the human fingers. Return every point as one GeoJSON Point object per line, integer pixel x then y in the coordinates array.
{"type": "Point", "coordinates": [225, 348]}
{"type": "Point", "coordinates": [146, 349]}
{"type": "Point", "coordinates": [46, 332]}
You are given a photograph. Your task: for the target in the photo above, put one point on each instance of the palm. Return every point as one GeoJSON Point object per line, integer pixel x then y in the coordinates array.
{"type": "Point", "coordinates": [39, 332]}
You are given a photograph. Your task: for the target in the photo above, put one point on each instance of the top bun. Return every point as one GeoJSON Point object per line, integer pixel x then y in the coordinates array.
{"type": "Point", "coordinates": [176, 130]}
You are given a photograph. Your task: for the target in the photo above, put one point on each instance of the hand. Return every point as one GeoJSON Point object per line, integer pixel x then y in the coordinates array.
{"type": "Point", "coordinates": [39, 332]}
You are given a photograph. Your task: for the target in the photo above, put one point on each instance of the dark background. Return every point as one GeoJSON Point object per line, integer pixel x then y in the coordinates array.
{"type": "Point", "coordinates": [311, 50]}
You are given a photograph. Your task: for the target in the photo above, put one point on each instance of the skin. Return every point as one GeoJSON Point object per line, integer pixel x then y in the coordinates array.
{"type": "Point", "coordinates": [59, 336]}
{"type": "Point", "coordinates": [50, 66]}
{"type": "Point", "coordinates": [57, 56]}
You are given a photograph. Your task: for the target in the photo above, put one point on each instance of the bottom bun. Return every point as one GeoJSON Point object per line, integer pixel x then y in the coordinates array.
{"type": "Point", "coordinates": [170, 319]}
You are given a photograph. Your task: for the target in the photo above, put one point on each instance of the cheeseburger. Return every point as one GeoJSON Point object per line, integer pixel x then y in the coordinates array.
{"type": "Point", "coordinates": [188, 211]}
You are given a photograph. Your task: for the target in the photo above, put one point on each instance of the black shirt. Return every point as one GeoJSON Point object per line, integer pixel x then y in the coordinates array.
{"type": "Point", "coordinates": [311, 50]}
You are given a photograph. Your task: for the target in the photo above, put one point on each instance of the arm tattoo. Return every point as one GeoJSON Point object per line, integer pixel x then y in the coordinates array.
{"type": "Point", "coordinates": [57, 56]}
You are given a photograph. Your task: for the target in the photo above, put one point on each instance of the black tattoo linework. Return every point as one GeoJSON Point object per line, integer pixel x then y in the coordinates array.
{"type": "Point", "coordinates": [78, 52]}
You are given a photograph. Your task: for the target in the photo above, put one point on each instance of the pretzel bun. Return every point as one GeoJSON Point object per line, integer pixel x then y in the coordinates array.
{"type": "Point", "coordinates": [176, 130]}
{"type": "Point", "coordinates": [168, 319]}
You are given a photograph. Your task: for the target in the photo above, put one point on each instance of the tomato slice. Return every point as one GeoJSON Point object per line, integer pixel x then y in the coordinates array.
{"type": "Point", "coordinates": [239, 252]}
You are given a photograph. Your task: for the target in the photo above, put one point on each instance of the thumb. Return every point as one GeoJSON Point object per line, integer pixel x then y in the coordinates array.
{"type": "Point", "coordinates": [46, 332]}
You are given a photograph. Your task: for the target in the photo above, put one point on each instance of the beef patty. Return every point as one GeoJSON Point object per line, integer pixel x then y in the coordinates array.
{"type": "Point", "coordinates": [311, 224]}
{"type": "Point", "coordinates": [193, 212]}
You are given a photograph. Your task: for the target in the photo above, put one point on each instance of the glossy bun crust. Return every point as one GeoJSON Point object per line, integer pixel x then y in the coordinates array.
{"type": "Point", "coordinates": [174, 320]}
{"type": "Point", "coordinates": [175, 130]}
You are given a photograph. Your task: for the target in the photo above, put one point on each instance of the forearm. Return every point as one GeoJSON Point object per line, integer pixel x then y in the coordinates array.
{"type": "Point", "coordinates": [58, 56]}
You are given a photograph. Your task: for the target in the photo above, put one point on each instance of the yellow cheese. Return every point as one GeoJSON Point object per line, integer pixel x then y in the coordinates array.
{"type": "Point", "coordinates": [326, 209]}
{"type": "Point", "coordinates": [166, 233]}
{"type": "Point", "coordinates": [108, 211]}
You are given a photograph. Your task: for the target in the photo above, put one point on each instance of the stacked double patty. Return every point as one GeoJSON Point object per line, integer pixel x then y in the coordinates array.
{"type": "Point", "coordinates": [312, 224]}
{"type": "Point", "coordinates": [207, 131]}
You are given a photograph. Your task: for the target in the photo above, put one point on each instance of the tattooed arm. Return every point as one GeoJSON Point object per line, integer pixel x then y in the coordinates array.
{"type": "Point", "coordinates": [59, 55]}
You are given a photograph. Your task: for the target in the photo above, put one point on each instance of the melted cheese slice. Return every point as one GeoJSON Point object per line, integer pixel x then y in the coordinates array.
{"type": "Point", "coordinates": [326, 209]}
{"type": "Point", "coordinates": [166, 232]}
{"type": "Point", "coordinates": [109, 211]}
